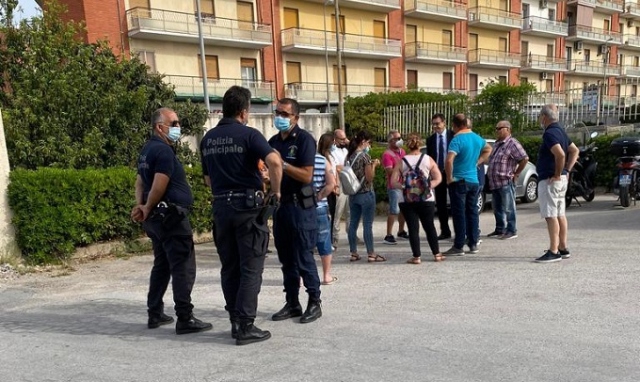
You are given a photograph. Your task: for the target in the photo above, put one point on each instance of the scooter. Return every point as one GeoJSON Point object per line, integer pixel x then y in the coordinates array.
{"type": "Point", "coordinates": [583, 175]}
{"type": "Point", "coordinates": [627, 182]}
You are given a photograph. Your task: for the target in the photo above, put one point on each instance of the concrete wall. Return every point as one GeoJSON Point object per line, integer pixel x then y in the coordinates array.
{"type": "Point", "coordinates": [7, 234]}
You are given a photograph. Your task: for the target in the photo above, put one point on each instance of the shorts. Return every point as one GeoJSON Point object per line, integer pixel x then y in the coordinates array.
{"type": "Point", "coordinates": [395, 197]}
{"type": "Point", "coordinates": [323, 243]}
{"type": "Point", "coordinates": [551, 197]}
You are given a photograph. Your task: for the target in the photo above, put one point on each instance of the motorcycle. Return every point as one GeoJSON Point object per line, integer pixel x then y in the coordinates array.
{"type": "Point", "coordinates": [627, 182]}
{"type": "Point", "coordinates": [583, 175]}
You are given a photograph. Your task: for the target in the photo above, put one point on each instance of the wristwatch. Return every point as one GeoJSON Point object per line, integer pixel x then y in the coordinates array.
{"type": "Point", "coordinates": [284, 165]}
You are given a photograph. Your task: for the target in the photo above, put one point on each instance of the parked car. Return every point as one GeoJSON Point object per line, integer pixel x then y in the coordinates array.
{"type": "Point", "coordinates": [526, 186]}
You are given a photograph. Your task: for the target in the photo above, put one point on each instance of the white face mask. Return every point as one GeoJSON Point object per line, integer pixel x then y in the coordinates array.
{"type": "Point", "coordinates": [400, 143]}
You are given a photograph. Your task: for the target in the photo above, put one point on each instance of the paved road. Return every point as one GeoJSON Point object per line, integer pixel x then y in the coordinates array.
{"type": "Point", "coordinates": [494, 316]}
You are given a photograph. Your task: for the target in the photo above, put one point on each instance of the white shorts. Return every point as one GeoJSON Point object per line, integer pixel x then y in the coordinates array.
{"type": "Point", "coordinates": [551, 197]}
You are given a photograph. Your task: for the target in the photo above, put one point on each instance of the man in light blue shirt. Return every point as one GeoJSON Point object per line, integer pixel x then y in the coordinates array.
{"type": "Point", "coordinates": [467, 151]}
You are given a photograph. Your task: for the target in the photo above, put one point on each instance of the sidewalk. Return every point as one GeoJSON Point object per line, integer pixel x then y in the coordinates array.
{"type": "Point", "coordinates": [494, 316]}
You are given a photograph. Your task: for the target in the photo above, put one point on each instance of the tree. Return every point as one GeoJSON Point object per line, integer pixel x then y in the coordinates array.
{"type": "Point", "coordinates": [7, 8]}
{"type": "Point", "coordinates": [75, 105]}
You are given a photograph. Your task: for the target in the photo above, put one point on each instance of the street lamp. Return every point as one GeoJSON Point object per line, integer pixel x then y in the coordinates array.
{"type": "Point", "coordinates": [203, 62]}
{"type": "Point", "coordinates": [326, 52]}
{"type": "Point", "coordinates": [340, 99]}
{"type": "Point", "coordinates": [605, 60]}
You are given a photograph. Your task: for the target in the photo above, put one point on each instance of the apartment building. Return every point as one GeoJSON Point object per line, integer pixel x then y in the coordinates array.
{"type": "Point", "coordinates": [288, 48]}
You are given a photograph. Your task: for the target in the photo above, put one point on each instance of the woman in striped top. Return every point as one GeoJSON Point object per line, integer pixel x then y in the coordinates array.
{"type": "Point", "coordinates": [324, 183]}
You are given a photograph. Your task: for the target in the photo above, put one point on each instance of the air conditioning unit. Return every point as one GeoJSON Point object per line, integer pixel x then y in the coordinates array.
{"type": "Point", "coordinates": [578, 45]}
{"type": "Point", "coordinates": [543, 75]}
{"type": "Point", "coordinates": [630, 23]}
{"type": "Point", "coordinates": [543, 4]}
{"type": "Point", "coordinates": [602, 49]}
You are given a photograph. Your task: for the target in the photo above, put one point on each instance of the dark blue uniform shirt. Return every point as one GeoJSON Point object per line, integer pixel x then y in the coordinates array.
{"type": "Point", "coordinates": [546, 165]}
{"type": "Point", "coordinates": [158, 156]}
{"type": "Point", "coordinates": [230, 155]}
{"type": "Point", "coordinates": [299, 150]}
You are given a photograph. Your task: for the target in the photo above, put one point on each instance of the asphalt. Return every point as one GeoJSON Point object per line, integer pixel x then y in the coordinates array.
{"type": "Point", "coordinates": [494, 316]}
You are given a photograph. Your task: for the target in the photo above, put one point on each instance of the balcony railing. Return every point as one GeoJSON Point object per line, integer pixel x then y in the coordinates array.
{"type": "Point", "coordinates": [171, 25]}
{"type": "Point", "coordinates": [496, 17]}
{"type": "Point", "coordinates": [610, 6]}
{"type": "Point", "coordinates": [436, 9]}
{"type": "Point", "coordinates": [542, 26]}
{"type": "Point", "coordinates": [351, 44]}
{"type": "Point", "coordinates": [440, 90]}
{"type": "Point", "coordinates": [593, 68]}
{"type": "Point", "coordinates": [544, 63]}
{"type": "Point", "coordinates": [317, 92]}
{"type": "Point", "coordinates": [583, 32]}
{"type": "Point", "coordinates": [427, 51]}
{"type": "Point", "coordinates": [216, 87]}
{"type": "Point", "coordinates": [631, 71]}
{"type": "Point", "coordinates": [632, 40]}
{"type": "Point", "coordinates": [589, 3]}
{"type": "Point", "coordinates": [631, 10]}
{"type": "Point", "coordinates": [369, 5]}
{"type": "Point", "coordinates": [492, 58]}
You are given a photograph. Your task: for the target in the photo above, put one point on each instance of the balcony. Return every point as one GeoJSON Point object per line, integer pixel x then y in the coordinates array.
{"type": "Point", "coordinates": [609, 6]}
{"type": "Point", "coordinates": [540, 63]}
{"type": "Point", "coordinates": [485, 58]}
{"type": "Point", "coordinates": [595, 35]}
{"type": "Point", "coordinates": [538, 26]}
{"type": "Point", "coordinates": [592, 68]}
{"type": "Point", "coordinates": [311, 41]}
{"type": "Point", "coordinates": [313, 93]}
{"type": "Point", "coordinates": [632, 41]}
{"type": "Point", "coordinates": [191, 87]}
{"type": "Point", "coordinates": [630, 71]}
{"type": "Point", "coordinates": [443, 91]}
{"type": "Point", "coordinates": [631, 11]}
{"type": "Point", "coordinates": [494, 18]}
{"type": "Point", "coordinates": [440, 10]}
{"type": "Point", "coordinates": [158, 24]}
{"type": "Point", "coordinates": [586, 3]}
{"type": "Point", "coordinates": [384, 6]}
{"type": "Point", "coordinates": [541, 99]}
{"type": "Point", "coordinates": [430, 53]}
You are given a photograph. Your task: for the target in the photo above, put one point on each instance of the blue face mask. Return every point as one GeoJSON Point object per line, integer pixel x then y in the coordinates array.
{"type": "Point", "coordinates": [174, 134]}
{"type": "Point", "coordinates": [366, 149]}
{"type": "Point", "coordinates": [333, 147]}
{"type": "Point", "coordinates": [281, 123]}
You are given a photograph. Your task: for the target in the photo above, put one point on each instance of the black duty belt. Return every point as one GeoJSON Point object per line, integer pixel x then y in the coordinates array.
{"type": "Point", "coordinates": [231, 195]}
{"type": "Point", "coordinates": [289, 198]}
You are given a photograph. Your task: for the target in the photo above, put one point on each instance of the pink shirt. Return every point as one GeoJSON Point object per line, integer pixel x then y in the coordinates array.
{"type": "Point", "coordinates": [389, 160]}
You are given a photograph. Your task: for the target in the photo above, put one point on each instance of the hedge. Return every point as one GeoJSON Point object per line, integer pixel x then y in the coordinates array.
{"type": "Point", "coordinates": [57, 210]}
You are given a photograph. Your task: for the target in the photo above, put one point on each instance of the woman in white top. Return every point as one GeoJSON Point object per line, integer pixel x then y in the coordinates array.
{"type": "Point", "coordinates": [421, 211]}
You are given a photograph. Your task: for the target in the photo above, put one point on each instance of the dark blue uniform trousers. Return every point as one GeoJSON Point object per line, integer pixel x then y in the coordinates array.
{"type": "Point", "coordinates": [175, 259]}
{"type": "Point", "coordinates": [295, 231]}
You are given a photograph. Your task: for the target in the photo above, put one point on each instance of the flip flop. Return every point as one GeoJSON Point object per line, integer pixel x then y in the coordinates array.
{"type": "Point", "coordinates": [333, 280]}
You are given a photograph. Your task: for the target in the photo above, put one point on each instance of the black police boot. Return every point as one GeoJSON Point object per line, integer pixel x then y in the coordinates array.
{"type": "Point", "coordinates": [190, 324]}
{"type": "Point", "coordinates": [313, 312]}
{"type": "Point", "coordinates": [291, 309]}
{"type": "Point", "coordinates": [234, 329]}
{"type": "Point", "coordinates": [157, 320]}
{"type": "Point", "coordinates": [248, 333]}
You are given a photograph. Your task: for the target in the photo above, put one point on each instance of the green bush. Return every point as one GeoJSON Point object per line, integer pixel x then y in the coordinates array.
{"type": "Point", "coordinates": [57, 210]}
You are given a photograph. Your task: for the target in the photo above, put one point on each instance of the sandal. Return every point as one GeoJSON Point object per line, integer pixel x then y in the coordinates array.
{"type": "Point", "coordinates": [414, 260]}
{"type": "Point", "coordinates": [376, 259]}
{"type": "Point", "coordinates": [354, 257]}
{"type": "Point", "coordinates": [438, 257]}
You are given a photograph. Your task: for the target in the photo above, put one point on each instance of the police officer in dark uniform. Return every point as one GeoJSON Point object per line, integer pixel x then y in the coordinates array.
{"type": "Point", "coordinates": [163, 199]}
{"type": "Point", "coordinates": [230, 156]}
{"type": "Point", "coordinates": [295, 226]}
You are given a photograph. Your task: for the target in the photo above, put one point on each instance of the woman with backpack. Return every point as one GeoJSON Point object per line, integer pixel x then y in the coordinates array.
{"type": "Point", "coordinates": [362, 204]}
{"type": "Point", "coordinates": [418, 175]}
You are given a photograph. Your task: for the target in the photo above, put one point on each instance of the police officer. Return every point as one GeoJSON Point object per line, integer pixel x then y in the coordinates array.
{"type": "Point", "coordinates": [231, 153]}
{"type": "Point", "coordinates": [294, 226]}
{"type": "Point", "coordinates": [163, 199]}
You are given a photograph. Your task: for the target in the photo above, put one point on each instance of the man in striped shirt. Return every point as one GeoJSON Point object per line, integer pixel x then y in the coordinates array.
{"type": "Point", "coordinates": [506, 162]}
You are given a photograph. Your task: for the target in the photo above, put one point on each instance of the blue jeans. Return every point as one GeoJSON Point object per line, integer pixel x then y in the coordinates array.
{"type": "Point", "coordinates": [361, 205]}
{"type": "Point", "coordinates": [504, 208]}
{"type": "Point", "coordinates": [323, 245]}
{"type": "Point", "coordinates": [464, 211]}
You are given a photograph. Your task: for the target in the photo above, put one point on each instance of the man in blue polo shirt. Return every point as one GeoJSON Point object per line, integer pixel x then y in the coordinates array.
{"type": "Point", "coordinates": [230, 155]}
{"type": "Point", "coordinates": [295, 223]}
{"type": "Point", "coordinates": [467, 151]}
{"type": "Point", "coordinates": [556, 158]}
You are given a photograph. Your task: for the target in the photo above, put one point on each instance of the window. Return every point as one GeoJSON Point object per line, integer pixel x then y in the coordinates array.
{"type": "Point", "coordinates": [412, 79]}
{"type": "Point", "coordinates": [473, 83]}
{"type": "Point", "coordinates": [248, 71]}
{"type": "Point", "coordinates": [379, 29]}
{"type": "Point", "coordinates": [621, 28]}
{"type": "Point", "coordinates": [343, 77]}
{"type": "Point", "coordinates": [502, 44]}
{"type": "Point", "coordinates": [207, 8]}
{"type": "Point", "coordinates": [212, 67]}
{"type": "Point", "coordinates": [447, 80]}
{"type": "Point", "coordinates": [502, 79]}
{"type": "Point", "coordinates": [548, 85]}
{"type": "Point", "coordinates": [245, 15]}
{"type": "Point", "coordinates": [636, 61]}
{"type": "Point", "coordinates": [291, 18]}
{"type": "Point", "coordinates": [634, 90]}
{"type": "Point", "coordinates": [380, 78]}
{"type": "Point", "coordinates": [342, 24]}
{"type": "Point", "coordinates": [143, 7]}
{"type": "Point", "coordinates": [149, 58]}
{"type": "Point", "coordinates": [411, 33]}
{"type": "Point", "coordinates": [607, 25]}
{"type": "Point", "coordinates": [550, 50]}
{"type": "Point", "coordinates": [524, 80]}
{"type": "Point", "coordinates": [587, 55]}
{"type": "Point", "coordinates": [447, 37]}
{"type": "Point", "coordinates": [473, 41]}
{"type": "Point", "coordinates": [552, 14]}
{"type": "Point", "coordinates": [526, 10]}
{"type": "Point", "coordinates": [294, 73]}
